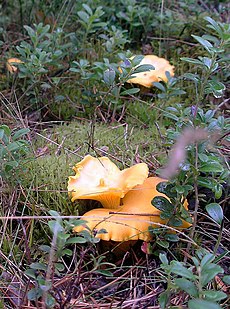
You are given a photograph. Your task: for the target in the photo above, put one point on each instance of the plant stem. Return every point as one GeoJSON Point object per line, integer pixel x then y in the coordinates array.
{"type": "Point", "coordinates": [219, 238]}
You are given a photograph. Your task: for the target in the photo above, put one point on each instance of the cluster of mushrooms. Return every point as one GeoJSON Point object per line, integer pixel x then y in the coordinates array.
{"type": "Point", "coordinates": [125, 195]}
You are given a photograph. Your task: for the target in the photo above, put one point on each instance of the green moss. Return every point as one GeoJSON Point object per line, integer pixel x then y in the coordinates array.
{"type": "Point", "coordinates": [124, 144]}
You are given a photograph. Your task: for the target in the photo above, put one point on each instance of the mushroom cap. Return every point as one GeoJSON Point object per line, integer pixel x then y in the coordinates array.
{"type": "Point", "coordinates": [100, 179]}
{"type": "Point", "coordinates": [10, 64]}
{"type": "Point", "coordinates": [118, 227]}
{"type": "Point", "coordinates": [140, 197]}
{"type": "Point", "coordinates": [140, 215]}
{"type": "Point", "coordinates": [147, 78]}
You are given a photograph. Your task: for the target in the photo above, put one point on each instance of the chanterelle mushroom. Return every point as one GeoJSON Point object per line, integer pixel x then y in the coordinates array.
{"type": "Point", "coordinates": [131, 220]}
{"type": "Point", "coordinates": [10, 64]}
{"type": "Point", "coordinates": [147, 78]}
{"type": "Point", "coordinates": [101, 180]}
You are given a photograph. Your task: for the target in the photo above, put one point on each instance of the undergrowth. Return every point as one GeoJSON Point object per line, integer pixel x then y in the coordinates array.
{"type": "Point", "coordinates": [67, 97]}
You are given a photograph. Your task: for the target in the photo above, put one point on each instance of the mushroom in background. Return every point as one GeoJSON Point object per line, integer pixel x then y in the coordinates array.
{"type": "Point", "coordinates": [10, 65]}
{"type": "Point", "coordinates": [147, 78]}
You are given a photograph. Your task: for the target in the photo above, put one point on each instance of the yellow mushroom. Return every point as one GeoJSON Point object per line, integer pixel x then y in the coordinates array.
{"type": "Point", "coordinates": [132, 219]}
{"type": "Point", "coordinates": [10, 64]}
{"type": "Point", "coordinates": [147, 78]}
{"type": "Point", "coordinates": [101, 180]}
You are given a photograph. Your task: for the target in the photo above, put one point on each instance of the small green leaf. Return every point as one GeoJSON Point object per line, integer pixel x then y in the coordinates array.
{"type": "Point", "coordinates": [38, 266]}
{"type": "Point", "coordinates": [202, 304]}
{"type": "Point", "coordinates": [162, 204]}
{"type": "Point", "coordinates": [214, 25]}
{"type": "Point", "coordinates": [179, 269]}
{"type": "Point", "coordinates": [84, 16]}
{"type": "Point", "coordinates": [59, 266]}
{"type": "Point", "coordinates": [191, 60]}
{"type": "Point", "coordinates": [54, 213]}
{"type": "Point", "coordinates": [109, 76]}
{"type": "Point", "coordinates": [165, 215]}
{"type": "Point", "coordinates": [15, 146]}
{"type": "Point", "coordinates": [172, 237]}
{"type": "Point", "coordinates": [205, 182]}
{"type": "Point", "coordinates": [34, 294]}
{"type": "Point", "coordinates": [130, 91]}
{"type": "Point", "coordinates": [5, 129]}
{"type": "Point", "coordinates": [160, 86]}
{"type": "Point", "coordinates": [87, 8]}
{"type": "Point", "coordinates": [175, 221]}
{"type": "Point", "coordinates": [20, 133]}
{"type": "Point", "coordinates": [50, 301]}
{"type": "Point", "coordinates": [104, 272]}
{"type": "Point", "coordinates": [163, 299]}
{"type": "Point", "coordinates": [163, 243]}
{"type": "Point", "coordinates": [163, 259]}
{"type": "Point", "coordinates": [136, 60]}
{"type": "Point", "coordinates": [167, 189]}
{"type": "Point", "coordinates": [207, 259]}
{"type": "Point", "coordinates": [208, 272]}
{"type": "Point", "coordinates": [45, 248]}
{"type": "Point", "coordinates": [206, 44]}
{"type": "Point", "coordinates": [142, 68]}
{"type": "Point", "coordinates": [190, 76]}
{"type": "Point", "coordinates": [215, 211]}
{"type": "Point", "coordinates": [102, 231]}
{"type": "Point", "coordinates": [76, 240]}
{"type": "Point", "coordinates": [55, 227]}
{"type": "Point", "coordinates": [214, 295]}
{"type": "Point", "coordinates": [226, 279]}
{"type": "Point", "coordinates": [211, 167]}
{"type": "Point", "coordinates": [187, 286]}
{"type": "Point", "coordinates": [218, 190]}
{"type": "Point", "coordinates": [31, 273]}
{"type": "Point", "coordinates": [67, 252]}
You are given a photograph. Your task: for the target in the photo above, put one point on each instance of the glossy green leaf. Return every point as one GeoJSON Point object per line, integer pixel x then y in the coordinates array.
{"type": "Point", "coordinates": [59, 266]}
{"type": "Point", "coordinates": [206, 44]}
{"type": "Point", "coordinates": [214, 25]}
{"type": "Point", "coordinates": [142, 68]}
{"type": "Point", "coordinates": [172, 237]}
{"type": "Point", "coordinates": [175, 221]}
{"type": "Point", "coordinates": [162, 204]}
{"type": "Point", "coordinates": [215, 211]}
{"type": "Point", "coordinates": [160, 86]}
{"type": "Point", "coordinates": [130, 91]}
{"type": "Point", "coordinates": [211, 167]}
{"type": "Point", "coordinates": [76, 240]}
{"type": "Point", "coordinates": [191, 60]}
{"type": "Point", "coordinates": [167, 189]}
